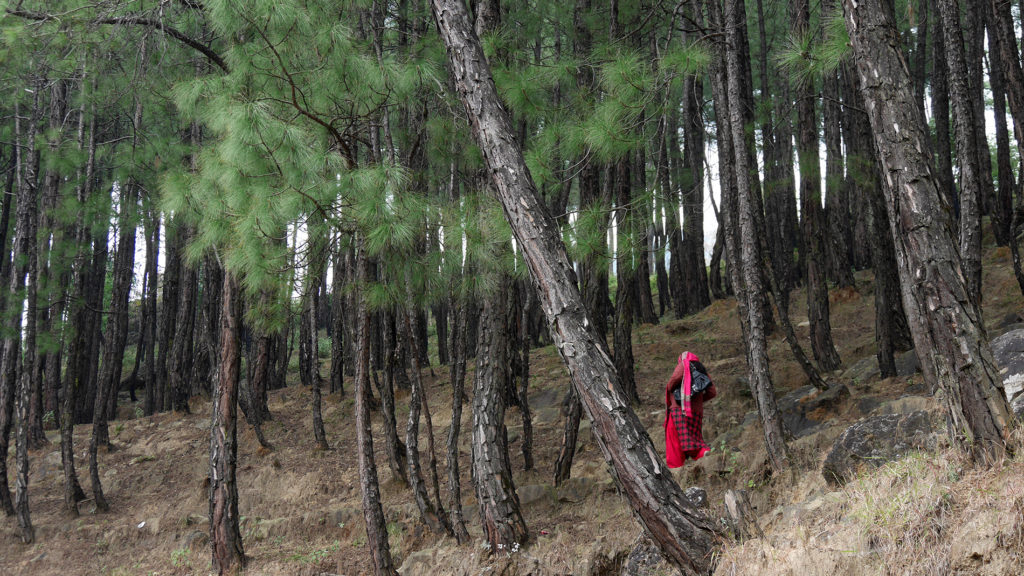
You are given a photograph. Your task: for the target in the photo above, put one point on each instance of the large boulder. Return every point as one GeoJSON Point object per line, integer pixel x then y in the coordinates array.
{"type": "Point", "coordinates": [1008, 351]}
{"type": "Point", "coordinates": [876, 440]}
{"type": "Point", "coordinates": [806, 409]}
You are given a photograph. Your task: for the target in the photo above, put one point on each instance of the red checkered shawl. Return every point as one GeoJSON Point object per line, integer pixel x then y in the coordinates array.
{"type": "Point", "coordinates": [684, 436]}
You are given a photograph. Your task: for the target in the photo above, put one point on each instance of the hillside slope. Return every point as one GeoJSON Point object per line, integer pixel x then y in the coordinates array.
{"type": "Point", "coordinates": [928, 513]}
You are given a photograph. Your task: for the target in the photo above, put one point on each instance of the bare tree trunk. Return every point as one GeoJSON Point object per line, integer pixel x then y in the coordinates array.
{"type": "Point", "coordinates": [940, 112]}
{"type": "Point", "coordinates": [376, 529]}
{"type": "Point", "coordinates": [744, 256]}
{"type": "Point", "coordinates": [503, 523]}
{"type": "Point", "coordinates": [1002, 208]}
{"type": "Point", "coordinates": [526, 293]}
{"type": "Point", "coordinates": [966, 147]}
{"type": "Point", "coordinates": [225, 536]}
{"type": "Point", "coordinates": [944, 318]}
{"type": "Point", "coordinates": [457, 375]}
{"type": "Point", "coordinates": [117, 336]}
{"type": "Point", "coordinates": [811, 212]}
{"type": "Point", "coordinates": [680, 529]}
{"type": "Point", "coordinates": [431, 512]}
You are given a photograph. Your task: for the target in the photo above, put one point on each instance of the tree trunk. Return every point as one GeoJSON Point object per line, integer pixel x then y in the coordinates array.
{"type": "Point", "coordinates": [681, 530]}
{"type": "Point", "coordinates": [966, 147]}
{"type": "Point", "coordinates": [116, 338]}
{"type": "Point", "coordinates": [457, 376]}
{"type": "Point", "coordinates": [744, 253]}
{"type": "Point", "coordinates": [149, 301]}
{"type": "Point", "coordinates": [944, 318]}
{"type": "Point", "coordinates": [811, 212]}
{"type": "Point", "coordinates": [1002, 208]}
{"type": "Point", "coordinates": [527, 297]}
{"type": "Point", "coordinates": [623, 336]}
{"type": "Point", "coordinates": [225, 536]}
{"type": "Point", "coordinates": [940, 112]}
{"type": "Point", "coordinates": [503, 523]}
{"type": "Point", "coordinates": [431, 512]}
{"type": "Point", "coordinates": [376, 529]}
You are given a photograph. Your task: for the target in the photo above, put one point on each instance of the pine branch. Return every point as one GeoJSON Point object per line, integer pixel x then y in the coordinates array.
{"type": "Point", "coordinates": [135, 20]}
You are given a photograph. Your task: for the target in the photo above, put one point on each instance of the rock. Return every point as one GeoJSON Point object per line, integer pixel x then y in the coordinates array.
{"type": "Point", "coordinates": [575, 489]}
{"type": "Point", "coordinates": [908, 364]}
{"type": "Point", "coordinates": [546, 415]}
{"type": "Point", "coordinates": [533, 493]}
{"type": "Point", "coordinates": [907, 405]}
{"type": "Point", "coordinates": [806, 408]}
{"type": "Point", "coordinates": [197, 540]}
{"type": "Point", "coordinates": [645, 559]}
{"type": "Point", "coordinates": [863, 370]}
{"type": "Point", "coordinates": [49, 467]}
{"type": "Point", "coordinates": [1008, 352]}
{"type": "Point", "coordinates": [698, 496]}
{"type": "Point", "coordinates": [1009, 320]}
{"type": "Point", "coordinates": [419, 562]}
{"type": "Point", "coordinates": [876, 440]}
{"type": "Point", "coordinates": [1018, 406]}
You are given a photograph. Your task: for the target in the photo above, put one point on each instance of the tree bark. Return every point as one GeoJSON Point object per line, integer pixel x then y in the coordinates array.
{"type": "Point", "coordinates": [457, 376]}
{"type": "Point", "coordinates": [811, 212]}
{"type": "Point", "coordinates": [225, 536]}
{"type": "Point", "coordinates": [1002, 208]}
{"type": "Point", "coordinates": [503, 523]}
{"type": "Point", "coordinates": [940, 112]}
{"type": "Point", "coordinates": [679, 528]}
{"type": "Point", "coordinates": [944, 318]}
{"type": "Point", "coordinates": [376, 529]}
{"type": "Point", "coordinates": [116, 338]}
{"type": "Point", "coordinates": [966, 147]}
{"type": "Point", "coordinates": [745, 251]}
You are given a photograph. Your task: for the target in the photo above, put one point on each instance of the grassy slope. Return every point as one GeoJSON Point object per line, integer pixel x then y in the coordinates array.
{"type": "Point", "coordinates": [301, 506]}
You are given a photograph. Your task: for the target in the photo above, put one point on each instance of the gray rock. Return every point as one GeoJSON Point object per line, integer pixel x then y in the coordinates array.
{"type": "Point", "coordinates": [698, 496]}
{"type": "Point", "coordinates": [49, 467]}
{"type": "Point", "coordinates": [575, 489]}
{"type": "Point", "coordinates": [1018, 406]}
{"type": "Point", "coordinates": [863, 370]}
{"type": "Point", "coordinates": [645, 559]}
{"type": "Point", "coordinates": [876, 440]}
{"type": "Point", "coordinates": [1008, 352]}
{"type": "Point", "coordinates": [908, 364]}
{"type": "Point", "coordinates": [805, 409]}
{"type": "Point", "coordinates": [419, 562]}
{"type": "Point", "coordinates": [533, 493]}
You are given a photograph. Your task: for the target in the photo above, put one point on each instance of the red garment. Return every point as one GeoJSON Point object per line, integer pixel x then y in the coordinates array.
{"type": "Point", "coordinates": [684, 425]}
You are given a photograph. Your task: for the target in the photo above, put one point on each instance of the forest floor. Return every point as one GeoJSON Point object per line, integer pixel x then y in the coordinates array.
{"type": "Point", "coordinates": [300, 506]}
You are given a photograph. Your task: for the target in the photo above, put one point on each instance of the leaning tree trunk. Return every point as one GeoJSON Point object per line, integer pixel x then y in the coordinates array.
{"type": "Point", "coordinates": [225, 536]}
{"type": "Point", "coordinates": [944, 317]}
{"type": "Point", "coordinates": [680, 529]}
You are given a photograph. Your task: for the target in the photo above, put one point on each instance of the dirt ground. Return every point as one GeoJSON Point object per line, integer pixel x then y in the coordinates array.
{"type": "Point", "coordinates": [300, 506]}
